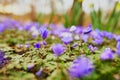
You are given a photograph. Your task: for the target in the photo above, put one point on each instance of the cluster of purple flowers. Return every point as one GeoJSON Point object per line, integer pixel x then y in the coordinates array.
{"type": "Point", "coordinates": [92, 48]}
{"type": "Point", "coordinates": [81, 66]}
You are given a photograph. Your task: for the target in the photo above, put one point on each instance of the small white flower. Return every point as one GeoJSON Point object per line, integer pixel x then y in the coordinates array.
{"type": "Point", "coordinates": [66, 34]}
{"type": "Point", "coordinates": [73, 28]}
{"type": "Point", "coordinates": [76, 37]}
{"type": "Point", "coordinates": [53, 37]}
{"type": "Point", "coordinates": [34, 31]}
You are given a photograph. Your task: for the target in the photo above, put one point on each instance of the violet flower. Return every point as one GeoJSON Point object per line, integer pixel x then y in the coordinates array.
{"type": "Point", "coordinates": [43, 32]}
{"type": "Point", "coordinates": [81, 67]}
{"type": "Point", "coordinates": [27, 45]}
{"type": "Point", "coordinates": [38, 73]}
{"type": "Point", "coordinates": [117, 38]}
{"type": "Point", "coordinates": [118, 48]}
{"type": "Point", "coordinates": [74, 45]}
{"type": "Point", "coordinates": [88, 29]}
{"type": "Point", "coordinates": [30, 67]}
{"type": "Point", "coordinates": [44, 43]}
{"type": "Point", "coordinates": [58, 49]}
{"type": "Point", "coordinates": [98, 40]}
{"type": "Point", "coordinates": [84, 37]}
{"type": "Point", "coordinates": [37, 45]}
{"type": "Point", "coordinates": [92, 48]}
{"type": "Point", "coordinates": [109, 35]}
{"type": "Point", "coordinates": [107, 54]}
{"type": "Point", "coordinates": [118, 45]}
{"type": "Point", "coordinates": [1, 55]}
{"type": "Point", "coordinates": [67, 40]}
{"type": "Point", "coordinates": [2, 27]}
{"type": "Point", "coordinates": [3, 60]}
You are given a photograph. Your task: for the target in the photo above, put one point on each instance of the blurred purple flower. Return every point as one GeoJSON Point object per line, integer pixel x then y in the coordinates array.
{"type": "Point", "coordinates": [37, 45]}
{"type": "Point", "coordinates": [67, 40]}
{"type": "Point", "coordinates": [81, 67]}
{"type": "Point", "coordinates": [96, 34]}
{"type": "Point", "coordinates": [118, 45]}
{"type": "Point", "coordinates": [107, 54]}
{"type": "Point", "coordinates": [3, 60]}
{"type": "Point", "coordinates": [84, 37]}
{"type": "Point", "coordinates": [98, 40]}
{"type": "Point", "coordinates": [109, 35]}
{"type": "Point", "coordinates": [117, 38]}
{"type": "Point", "coordinates": [2, 27]}
{"type": "Point", "coordinates": [118, 48]}
{"type": "Point", "coordinates": [44, 43]}
{"type": "Point", "coordinates": [102, 33]}
{"type": "Point", "coordinates": [1, 55]}
{"type": "Point", "coordinates": [27, 45]}
{"type": "Point", "coordinates": [118, 52]}
{"type": "Point", "coordinates": [30, 25]}
{"type": "Point", "coordinates": [88, 29]}
{"type": "Point", "coordinates": [92, 48]}
{"type": "Point", "coordinates": [30, 67]}
{"type": "Point", "coordinates": [58, 49]}
{"type": "Point", "coordinates": [75, 45]}
{"type": "Point", "coordinates": [79, 30]}
{"type": "Point", "coordinates": [38, 73]}
{"type": "Point", "coordinates": [44, 32]}
{"type": "Point", "coordinates": [20, 45]}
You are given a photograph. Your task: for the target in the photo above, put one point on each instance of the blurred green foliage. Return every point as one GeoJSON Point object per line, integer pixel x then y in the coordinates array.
{"type": "Point", "coordinates": [109, 23]}
{"type": "Point", "coordinates": [75, 15]}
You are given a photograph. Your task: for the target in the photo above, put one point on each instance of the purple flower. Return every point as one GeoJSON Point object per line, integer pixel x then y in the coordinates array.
{"type": "Point", "coordinates": [107, 54]}
{"type": "Point", "coordinates": [118, 45]}
{"type": "Point", "coordinates": [81, 67]}
{"type": "Point", "coordinates": [98, 40]}
{"type": "Point", "coordinates": [109, 35]}
{"type": "Point", "coordinates": [20, 45]}
{"type": "Point", "coordinates": [44, 32]}
{"type": "Point", "coordinates": [117, 38]}
{"type": "Point", "coordinates": [79, 30]}
{"type": "Point", "coordinates": [58, 49]}
{"type": "Point", "coordinates": [92, 49]}
{"type": "Point", "coordinates": [44, 43]}
{"type": "Point", "coordinates": [3, 60]}
{"type": "Point", "coordinates": [27, 26]}
{"type": "Point", "coordinates": [84, 37]}
{"type": "Point", "coordinates": [118, 52]}
{"type": "Point", "coordinates": [88, 29]}
{"type": "Point", "coordinates": [118, 48]}
{"type": "Point", "coordinates": [67, 40]}
{"type": "Point", "coordinates": [75, 45]}
{"type": "Point", "coordinates": [96, 34]}
{"type": "Point", "coordinates": [38, 73]}
{"type": "Point", "coordinates": [30, 67]}
{"type": "Point", "coordinates": [27, 45]}
{"type": "Point", "coordinates": [1, 55]}
{"type": "Point", "coordinates": [2, 27]}
{"type": "Point", "coordinates": [37, 45]}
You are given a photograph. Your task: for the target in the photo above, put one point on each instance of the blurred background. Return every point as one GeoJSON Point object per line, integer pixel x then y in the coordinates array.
{"type": "Point", "coordinates": [102, 14]}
